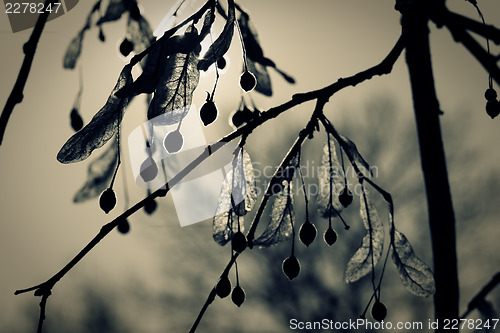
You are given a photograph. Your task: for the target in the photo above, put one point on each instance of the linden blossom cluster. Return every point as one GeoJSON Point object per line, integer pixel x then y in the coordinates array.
{"type": "Point", "coordinates": [365, 324]}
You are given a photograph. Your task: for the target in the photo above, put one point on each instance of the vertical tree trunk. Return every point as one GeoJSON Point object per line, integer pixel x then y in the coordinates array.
{"type": "Point", "coordinates": [440, 208]}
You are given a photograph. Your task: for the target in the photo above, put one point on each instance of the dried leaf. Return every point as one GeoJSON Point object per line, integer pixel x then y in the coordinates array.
{"type": "Point", "coordinates": [236, 198]}
{"type": "Point", "coordinates": [101, 128]}
{"type": "Point", "coordinates": [151, 72]}
{"type": "Point", "coordinates": [174, 91]}
{"type": "Point", "coordinates": [370, 252]}
{"type": "Point", "coordinates": [250, 39]}
{"type": "Point", "coordinates": [222, 43]}
{"type": "Point", "coordinates": [352, 151]}
{"type": "Point", "coordinates": [231, 203]}
{"type": "Point", "coordinates": [73, 51]}
{"type": "Point", "coordinates": [255, 56]}
{"type": "Point", "coordinates": [99, 174]}
{"type": "Point", "coordinates": [114, 11]}
{"type": "Point", "coordinates": [416, 276]}
{"type": "Point", "coordinates": [251, 193]}
{"type": "Point", "coordinates": [140, 33]}
{"type": "Point", "coordinates": [337, 181]}
{"type": "Point", "coordinates": [263, 80]}
{"type": "Point", "coordinates": [280, 227]}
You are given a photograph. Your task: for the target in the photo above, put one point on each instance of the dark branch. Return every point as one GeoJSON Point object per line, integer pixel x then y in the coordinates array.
{"type": "Point", "coordinates": [473, 304]}
{"type": "Point", "coordinates": [211, 296]}
{"type": "Point", "coordinates": [16, 95]}
{"type": "Point", "coordinates": [461, 35]}
{"type": "Point", "coordinates": [193, 18]}
{"type": "Point", "coordinates": [43, 304]}
{"type": "Point", "coordinates": [485, 30]}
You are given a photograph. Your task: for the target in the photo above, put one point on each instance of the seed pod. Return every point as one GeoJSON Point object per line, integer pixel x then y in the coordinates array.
{"type": "Point", "coordinates": [345, 197]}
{"type": "Point", "coordinates": [102, 38]}
{"type": "Point", "coordinates": [223, 288]}
{"type": "Point", "coordinates": [126, 47]}
{"type": "Point", "coordinates": [247, 81]}
{"type": "Point", "coordinates": [379, 311]}
{"type": "Point", "coordinates": [76, 120]}
{"type": "Point", "coordinates": [208, 112]}
{"type": "Point", "coordinates": [330, 236]}
{"type": "Point", "coordinates": [238, 295]}
{"type": "Point", "coordinates": [291, 267]}
{"type": "Point", "coordinates": [221, 63]}
{"type": "Point", "coordinates": [107, 201]}
{"type": "Point", "coordinates": [490, 94]}
{"type": "Point", "coordinates": [150, 206]}
{"type": "Point", "coordinates": [493, 108]}
{"type": "Point", "coordinates": [123, 226]}
{"type": "Point", "coordinates": [148, 170]}
{"type": "Point", "coordinates": [307, 233]}
{"type": "Point", "coordinates": [173, 142]}
{"type": "Point", "coordinates": [239, 242]}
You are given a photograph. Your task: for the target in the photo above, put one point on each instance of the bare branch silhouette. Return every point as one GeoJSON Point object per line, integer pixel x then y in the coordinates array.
{"type": "Point", "coordinates": [29, 49]}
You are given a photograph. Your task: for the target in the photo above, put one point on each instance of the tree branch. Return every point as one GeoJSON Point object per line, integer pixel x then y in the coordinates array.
{"type": "Point", "coordinates": [476, 300]}
{"type": "Point", "coordinates": [461, 35]}
{"type": "Point", "coordinates": [321, 95]}
{"type": "Point", "coordinates": [465, 23]}
{"type": "Point", "coordinates": [439, 202]}
{"type": "Point", "coordinates": [29, 49]}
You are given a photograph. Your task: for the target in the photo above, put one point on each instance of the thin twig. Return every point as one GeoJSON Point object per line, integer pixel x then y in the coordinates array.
{"type": "Point", "coordinates": [485, 30]}
{"type": "Point", "coordinates": [29, 48]}
{"type": "Point", "coordinates": [461, 35]}
{"type": "Point", "coordinates": [476, 300]}
{"type": "Point", "coordinates": [212, 294]}
{"type": "Point", "coordinates": [43, 305]}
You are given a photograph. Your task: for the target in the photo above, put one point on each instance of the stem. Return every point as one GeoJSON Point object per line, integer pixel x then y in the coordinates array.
{"type": "Point", "coordinates": [16, 95]}
{"type": "Point", "coordinates": [440, 208]}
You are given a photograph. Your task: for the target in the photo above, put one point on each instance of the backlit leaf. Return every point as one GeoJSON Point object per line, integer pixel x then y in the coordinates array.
{"type": "Point", "coordinates": [280, 227]}
{"type": "Point", "coordinates": [236, 198]}
{"type": "Point", "coordinates": [101, 128]}
{"type": "Point", "coordinates": [180, 77]}
{"type": "Point", "coordinates": [336, 175]}
{"type": "Point", "coordinates": [222, 43]}
{"type": "Point", "coordinates": [416, 276]}
{"type": "Point", "coordinates": [352, 151]}
{"type": "Point", "coordinates": [370, 252]}
{"type": "Point", "coordinates": [114, 11]}
{"type": "Point", "coordinates": [255, 55]}
{"type": "Point", "coordinates": [140, 34]}
{"type": "Point", "coordinates": [263, 80]}
{"type": "Point", "coordinates": [99, 174]}
{"type": "Point", "coordinates": [73, 51]}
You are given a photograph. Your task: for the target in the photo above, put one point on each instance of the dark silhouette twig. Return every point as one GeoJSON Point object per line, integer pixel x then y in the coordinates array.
{"type": "Point", "coordinates": [29, 49]}
{"type": "Point", "coordinates": [43, 304]}
{"type": "Point", "coordinates": [481, 295]}
{"type": "Point", "coordinates": [454, 19]}
{"type": "Point", "coordinates": [487, 60]}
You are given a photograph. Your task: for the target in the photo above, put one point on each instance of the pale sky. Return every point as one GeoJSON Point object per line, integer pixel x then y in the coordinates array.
{"type": "Point", "coordinates": [317, 42]}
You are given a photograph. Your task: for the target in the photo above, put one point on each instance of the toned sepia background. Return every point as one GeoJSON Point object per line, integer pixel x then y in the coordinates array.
{"type": "Point", "coordinates": [157, 277]}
